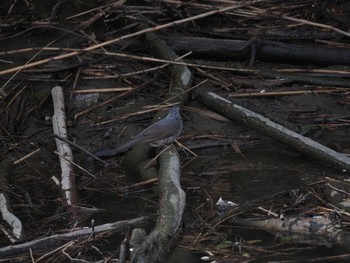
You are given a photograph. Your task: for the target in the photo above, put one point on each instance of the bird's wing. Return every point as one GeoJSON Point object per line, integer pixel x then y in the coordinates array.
{"type": "Point", "coordinates": [157, 131]}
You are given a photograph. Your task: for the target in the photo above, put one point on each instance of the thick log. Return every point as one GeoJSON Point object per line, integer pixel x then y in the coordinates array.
{"type": "Point", "coordinates": [228, 49]}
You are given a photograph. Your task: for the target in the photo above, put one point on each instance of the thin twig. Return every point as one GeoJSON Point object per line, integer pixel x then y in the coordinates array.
{"type": "Point", "coordinates": [26, 156]}
{"type": "Point", "coordinates": [75, 164]}
{"type": "Point", "coordinates": [285, 93]}
{"type": "Point", "coordinates": [80, 148]}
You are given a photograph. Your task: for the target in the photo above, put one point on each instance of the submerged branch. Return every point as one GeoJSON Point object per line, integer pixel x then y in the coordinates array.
{"type": "Point", "coordinates": [17, 231]}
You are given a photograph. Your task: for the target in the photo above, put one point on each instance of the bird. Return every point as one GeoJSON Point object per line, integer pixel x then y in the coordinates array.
{"type": "Point", "coordinates": [162, 132]}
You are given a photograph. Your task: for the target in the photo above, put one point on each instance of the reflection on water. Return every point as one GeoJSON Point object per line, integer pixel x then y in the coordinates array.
{"type": "Point", "coordinates": [238, 179]}
{"type": "Point", "coordinates": [184, 256]}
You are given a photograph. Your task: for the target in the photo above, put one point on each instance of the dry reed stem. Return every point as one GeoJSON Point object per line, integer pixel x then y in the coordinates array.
{"type": "Point", "coordinates": [138, 33]}
{"type": "Point", "coordinates": [26, 156]}
{"type": "Point", "coordinates": [285, 93]}
{"type": "Point", "coordinates": [107, 6]}
{"type": "Point", "coordinates": [306, 22]}
{"type": "Point", "coordinates": [104, 90]}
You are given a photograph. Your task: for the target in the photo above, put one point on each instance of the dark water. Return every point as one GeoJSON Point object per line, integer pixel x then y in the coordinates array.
{"type": "Point", "coordinates": [234, 178]}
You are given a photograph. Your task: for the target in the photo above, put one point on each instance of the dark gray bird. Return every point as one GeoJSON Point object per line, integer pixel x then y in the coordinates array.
{"type": "Point", "coordinates": [162, 132]}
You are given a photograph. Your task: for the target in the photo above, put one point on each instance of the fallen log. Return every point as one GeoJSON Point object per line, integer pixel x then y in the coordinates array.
{"type": "Point", "coordinates": [50, 242]}
{"type": "Point", "coordinates": [234, 111]}
{"type": "Point", "coordinates": [316, 228]}
{"type": "Point", "coordinates": [267, 50]}
{"type": "Point", "coordinates": [67, 182]}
